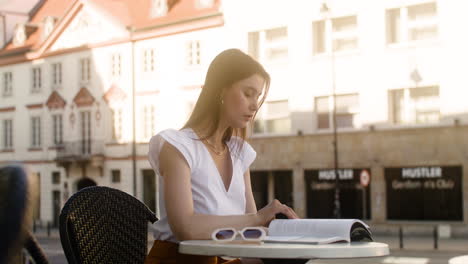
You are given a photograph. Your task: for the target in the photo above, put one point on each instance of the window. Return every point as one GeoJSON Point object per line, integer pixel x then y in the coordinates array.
{"type": "Point", "coordinates": [158, 8]}
{"type": "Point", "coordinates": [115, 176]}
{"type": "Point", "coordinates": [20, 35]}
{"type": "Point", "coordinates": [85, 120]}
{"type": "Point", "coordinates": [36, 80]}
{"type": "Point", "coordinates": [347, 111]}
{"type": "Point", "coordinates": [56, 75]}
{"type": "Point", "coordinates": [115, 64]}
{"type": "Point", "coordinates": [412, 23]}
{"type": "Point", "coordinates": [318, 29]}
{"type": "Point", "coordinates": [57, 129]}
{"type": "Point", "coordinates": [415, 105]}
{"type": "Point", "coordinates": [35, 131]}
{"type": "Point", "coordinates": [49, 22]}
{"type": "Point", "coordinates": [193, 53]}
{"type": "Point", "coordinates": [8, 134]}
{"type": "Point", "coordinates": [274, 117]}
{"type": "Point", "coordinates": [148, 60]}
{"type": "Point", "coordinates": [85, 67]}
{"type": "Point", "coordinates": [149, 121]}
{"type": "Point", "coordinates": [341, 32]}
{"type": "Point", "coordinates": [7, 83]}
{"type": "Point", "coordinates": [322, 109]}
{"type": "Point", "coordinates": [204, 3]}
{"type": "Point", "coordinates": [56, 177]}
{"type": "Point", "coordinates": [117, 124]}
{"type": "Point", "coordinates": [269, 45]}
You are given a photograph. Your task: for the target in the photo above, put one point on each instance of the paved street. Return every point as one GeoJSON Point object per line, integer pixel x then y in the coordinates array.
{"type": "Point", "coordinates": [418, 250]}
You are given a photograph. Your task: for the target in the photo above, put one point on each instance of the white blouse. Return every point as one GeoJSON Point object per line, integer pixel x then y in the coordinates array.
{"type": "Point", "coordinates": [208, 190]}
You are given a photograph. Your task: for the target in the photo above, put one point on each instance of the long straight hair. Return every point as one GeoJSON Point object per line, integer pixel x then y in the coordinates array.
{"type": "Point", "coordinates": [227, 68]}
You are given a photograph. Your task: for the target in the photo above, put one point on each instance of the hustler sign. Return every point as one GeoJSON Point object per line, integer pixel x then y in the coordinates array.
{"type": "Point", "coordinates": [424, 193]}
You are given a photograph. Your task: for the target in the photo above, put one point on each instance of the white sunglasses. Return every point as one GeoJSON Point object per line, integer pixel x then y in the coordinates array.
{"type": "Point", "coordinates": [248, 233]}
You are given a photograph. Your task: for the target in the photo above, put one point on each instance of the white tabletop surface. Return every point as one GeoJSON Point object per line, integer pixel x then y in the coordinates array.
{"type": "Point", "coordinates": [283, 250]}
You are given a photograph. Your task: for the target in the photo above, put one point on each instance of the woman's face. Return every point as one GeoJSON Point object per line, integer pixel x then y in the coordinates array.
{"type": "Point", "coordinates": [241, 101]}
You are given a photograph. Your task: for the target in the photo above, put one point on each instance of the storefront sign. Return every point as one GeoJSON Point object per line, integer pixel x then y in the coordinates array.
{"type": "Point", "coordinates": [354, 186]}
{"type": "Point", "coordinates": [346, 174]}
{"type": "Point", "coordinates": [424, 193]}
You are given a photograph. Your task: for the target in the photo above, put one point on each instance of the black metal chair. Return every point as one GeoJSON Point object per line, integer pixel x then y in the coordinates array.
{"type": "Point", "coordinates": [104, 225]}
{"type": "Point", "coordinates": [16, 216]}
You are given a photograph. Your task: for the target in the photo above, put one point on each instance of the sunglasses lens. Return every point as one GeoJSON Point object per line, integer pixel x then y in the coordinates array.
{"type": "Point", "coordinates": [252, 233]}
{"type": "Point", "coordinates": [224, 234]}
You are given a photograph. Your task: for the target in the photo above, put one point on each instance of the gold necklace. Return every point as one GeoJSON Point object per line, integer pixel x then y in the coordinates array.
{"type": "Point", "coordinates": [213, 148]}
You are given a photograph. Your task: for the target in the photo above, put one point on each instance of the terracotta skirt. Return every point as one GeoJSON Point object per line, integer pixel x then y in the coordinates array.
{"type": "Point", "coordinates": [164, 252]}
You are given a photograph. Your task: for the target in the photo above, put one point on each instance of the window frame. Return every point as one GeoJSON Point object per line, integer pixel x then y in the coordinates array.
{"type": "Point", "coordinates": [356, 124]}
{"type": "Point", "coordinates": [149, 122]}
{"type": "Point", "coordinates": [7, 134]}
{"type": "Point", "coordinates": [116, 176]}
{"type": "Point", "coordinates": [116, 65]}
{"type": "Point", "coordinates": [36, 132]}
{"type": "Point", "coordinates": [85, 70]}
{"type": "Point", "coordinates": [117, 117]}
{"type": "Point", "coordinates": [328, 36]}
{"type": "Point", "coordinates": [149, 60]}
{"type": "Point", "coordinates": [57, 129]}
{"type": "Point", "coordinates": [193, 51]}
{"type": "Point", "coordinates": [36, 79]}
{"type": "Point", "coordinates": [7, 83]}
{"type": "Point", "coordinates": [57, 72]}
{"type": "Point", "coordinates": [265, 118]}
{"type": "Point", "coordinates": [408, 112]}
{"type": "Point", "coordinates": [259, 46]}
{"type": "Point", "coordinates": [399, 32]}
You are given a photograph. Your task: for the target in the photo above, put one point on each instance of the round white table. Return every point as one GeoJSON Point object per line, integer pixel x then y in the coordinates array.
{"type": "Point", "coordinates": [283, 250]}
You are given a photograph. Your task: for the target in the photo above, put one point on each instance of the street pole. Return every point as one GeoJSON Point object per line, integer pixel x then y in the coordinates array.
{"type": "Point", "coordinates": [337, 210]}
{"type": "Point", "coordinates": [134, 167]}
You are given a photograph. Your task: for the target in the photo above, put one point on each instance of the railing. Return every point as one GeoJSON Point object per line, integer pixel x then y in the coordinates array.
{"type": "Point", "coordinates": [80, 150]}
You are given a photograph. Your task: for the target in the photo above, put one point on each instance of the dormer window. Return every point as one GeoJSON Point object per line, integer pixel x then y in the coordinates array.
{"type": "Point", "coordinates": [20, 35]}
{"type": "Point", "coordinates": [158, 8]}
{"type": "Point", "coordinates": [49, 23]}
{"type": "Point", "coordinates": [204, 3]}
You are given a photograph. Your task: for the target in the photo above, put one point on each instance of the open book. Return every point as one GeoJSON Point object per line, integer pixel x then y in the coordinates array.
{"type": "Point", "coordinates": [317, 231]}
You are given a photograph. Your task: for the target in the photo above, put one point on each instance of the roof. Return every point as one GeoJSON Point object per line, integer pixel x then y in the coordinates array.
{"type": "Point", "coordinates": [134, 14]}
{"type": "Point", "coordinates": [55, 8]}
{"type": "Point", "coordinates": [17, 7]}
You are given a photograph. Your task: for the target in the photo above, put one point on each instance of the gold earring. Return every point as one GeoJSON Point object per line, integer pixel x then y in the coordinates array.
{"type": "Point", "coordinates": [222, 101]}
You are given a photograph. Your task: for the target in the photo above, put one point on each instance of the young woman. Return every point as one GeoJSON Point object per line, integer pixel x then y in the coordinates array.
{"type": "Point", "coordinates": [204, 167]}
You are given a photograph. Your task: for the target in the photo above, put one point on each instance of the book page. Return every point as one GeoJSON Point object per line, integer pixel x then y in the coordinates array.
{"type": "Point", "coordinates": [302, 239]}
{"type": "Point", "coordinates": [311, 230]}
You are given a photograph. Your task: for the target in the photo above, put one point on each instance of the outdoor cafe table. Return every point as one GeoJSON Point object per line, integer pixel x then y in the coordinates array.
{"type": "Point", "coordinates": [283, 250]}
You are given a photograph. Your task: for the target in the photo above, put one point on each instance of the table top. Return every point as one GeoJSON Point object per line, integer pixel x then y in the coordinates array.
{"type": "Point", "coordinates": [283, 250]}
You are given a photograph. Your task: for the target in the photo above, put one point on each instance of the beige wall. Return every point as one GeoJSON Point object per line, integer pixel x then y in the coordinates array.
{"type": "Point", "coordinates": [378, 149]}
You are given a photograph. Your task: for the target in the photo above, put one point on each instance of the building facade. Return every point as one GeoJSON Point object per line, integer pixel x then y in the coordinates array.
{"type": "Point", "coordinates": [80, 75]}
{"type": "Point", "coordinates": [387, 77]}
{"type": "Point", "coordinates": [390, 75]}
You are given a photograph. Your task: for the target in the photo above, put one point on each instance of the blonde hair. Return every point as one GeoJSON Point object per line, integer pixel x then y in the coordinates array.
{"type": "Point", "coordinates": [227, 68]}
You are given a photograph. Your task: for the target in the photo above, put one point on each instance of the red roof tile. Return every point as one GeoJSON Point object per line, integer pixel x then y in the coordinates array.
{"type": "Point", "coordinates": [55, 8]}
{"type": "Point", "coordinates": [131, 13]}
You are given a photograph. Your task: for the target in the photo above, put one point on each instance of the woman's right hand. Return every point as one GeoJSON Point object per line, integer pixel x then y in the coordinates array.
{"type": "Point", "coordinates": [268, 213]}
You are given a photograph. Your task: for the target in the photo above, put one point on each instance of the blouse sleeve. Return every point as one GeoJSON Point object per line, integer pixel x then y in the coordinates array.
{"type": "Point", "coordinates": [248, 156]}
{"type": "Point", "coordinates": [173, 137]}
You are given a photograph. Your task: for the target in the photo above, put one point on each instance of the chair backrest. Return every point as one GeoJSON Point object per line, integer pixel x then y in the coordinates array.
{"type": "Point", "coordinates": [13, 210]}
{"type": "Point", "coordinates": [104, 225]}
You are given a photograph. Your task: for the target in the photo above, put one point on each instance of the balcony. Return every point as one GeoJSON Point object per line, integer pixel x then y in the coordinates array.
{"type": "Point", "coordinates": [81, 151]}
